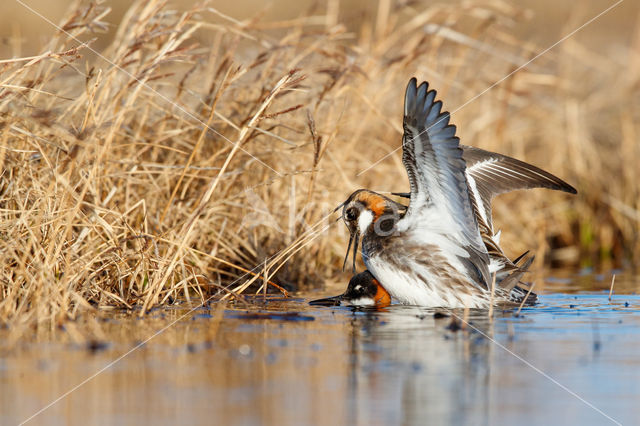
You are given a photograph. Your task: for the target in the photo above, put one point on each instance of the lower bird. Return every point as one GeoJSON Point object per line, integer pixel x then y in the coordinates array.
{"type": "Point", "coordinates": [363, 290]}
{"type": "Point", "coordinates": [440, 250]}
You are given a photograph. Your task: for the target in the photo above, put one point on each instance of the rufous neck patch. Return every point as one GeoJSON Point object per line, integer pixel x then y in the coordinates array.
{"type": "Point", "coordinates": [375, 203]}
{"type": "Point", "coordinates": [382, 297]}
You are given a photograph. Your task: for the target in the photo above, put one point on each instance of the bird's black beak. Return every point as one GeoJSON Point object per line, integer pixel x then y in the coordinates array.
{"type": "Point", "coordinates": [329, 301]}
{"type": "Point", "coordinates": [346, 256]}
{"type": "Point", "coordinates": [352, 237]}
{"type": "Point", "coordinates": [355, 251]}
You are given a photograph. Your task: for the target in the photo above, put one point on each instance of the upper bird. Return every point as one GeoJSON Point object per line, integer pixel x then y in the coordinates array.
{"type": "Point", "coordinates": [441, 250]}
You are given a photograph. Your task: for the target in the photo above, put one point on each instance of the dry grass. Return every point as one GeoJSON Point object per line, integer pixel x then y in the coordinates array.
{"type": "Point", "coordinates": [183, 164]}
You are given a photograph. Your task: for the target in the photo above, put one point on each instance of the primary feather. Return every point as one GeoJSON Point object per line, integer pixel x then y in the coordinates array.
{"type": "Point", "coordinates": [440, 203]}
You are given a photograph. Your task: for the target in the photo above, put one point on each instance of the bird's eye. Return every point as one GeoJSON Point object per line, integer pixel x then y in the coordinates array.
{"type": "Point", "coordinates": [351, 213]}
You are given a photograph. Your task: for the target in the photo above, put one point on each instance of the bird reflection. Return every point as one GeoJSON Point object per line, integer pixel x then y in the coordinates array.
{"type": "Point", "coordinates": [411, 364]}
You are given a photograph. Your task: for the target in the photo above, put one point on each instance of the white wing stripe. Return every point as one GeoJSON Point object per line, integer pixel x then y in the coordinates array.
{"type": "Point", "coordinates": [476, 195]}
{"type": "Point", "coordinates": [513, 171]}
{"type": "Point", "coordinates": [494, 163]}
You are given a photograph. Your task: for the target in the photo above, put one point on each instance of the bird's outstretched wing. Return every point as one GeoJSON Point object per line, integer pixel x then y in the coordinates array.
{"type": "Point", "coordinates": [491, 174]}
{"type": "Point", "coordinates": [440, 200]}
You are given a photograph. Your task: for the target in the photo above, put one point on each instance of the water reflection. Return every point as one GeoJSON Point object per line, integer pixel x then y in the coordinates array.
{"type": "Point", "coordinates": [406, 365]}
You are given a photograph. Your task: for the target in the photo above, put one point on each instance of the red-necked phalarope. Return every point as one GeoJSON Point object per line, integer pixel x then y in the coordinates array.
{"type": "Point", "coordinates": [441, 250]}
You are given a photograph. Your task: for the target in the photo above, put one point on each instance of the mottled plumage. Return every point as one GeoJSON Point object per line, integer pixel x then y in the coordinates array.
{"type": "Point", "coordinates": [441, 249]}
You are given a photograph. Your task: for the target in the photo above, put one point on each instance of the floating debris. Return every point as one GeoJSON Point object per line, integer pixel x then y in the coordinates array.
{"type": "Point", "coordinates": [95, 346]}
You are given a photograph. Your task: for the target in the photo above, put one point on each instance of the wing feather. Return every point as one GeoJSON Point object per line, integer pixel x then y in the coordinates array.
{"type": "Point", "coordinates": [496, 174]}
{"type": "Point", "coordinates": [440, 199]}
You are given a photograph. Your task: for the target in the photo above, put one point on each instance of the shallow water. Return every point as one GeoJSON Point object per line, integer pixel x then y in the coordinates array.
{"type": "Point", "coordinates": [575, 357]}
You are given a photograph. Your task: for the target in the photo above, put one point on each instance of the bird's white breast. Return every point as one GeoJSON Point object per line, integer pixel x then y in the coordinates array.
{"type": "Point", "coordinates": [417, 284]}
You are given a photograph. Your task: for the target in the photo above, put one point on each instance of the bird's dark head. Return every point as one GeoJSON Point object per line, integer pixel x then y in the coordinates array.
{"type": "Point", "coordinates": [363, 290]}
{"type": "Point", "coordinates": [362, 209]}
{"type": "Point", "coordinates": [366, 211]}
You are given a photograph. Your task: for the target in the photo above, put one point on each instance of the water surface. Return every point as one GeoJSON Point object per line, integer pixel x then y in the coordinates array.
{"type": "Point", "coordinates": [575, 357]}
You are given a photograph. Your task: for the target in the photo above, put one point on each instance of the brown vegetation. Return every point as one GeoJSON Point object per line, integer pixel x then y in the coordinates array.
{"type": "Point", "coordinates": [180, 161]}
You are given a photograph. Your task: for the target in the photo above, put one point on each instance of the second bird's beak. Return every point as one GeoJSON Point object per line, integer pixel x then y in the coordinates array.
{"type": "Point", "coordinates": [329, 301]}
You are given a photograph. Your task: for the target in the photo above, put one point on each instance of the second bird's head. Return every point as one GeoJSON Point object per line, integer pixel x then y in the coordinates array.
{"type": "Point", "coordinates": [363, 290]}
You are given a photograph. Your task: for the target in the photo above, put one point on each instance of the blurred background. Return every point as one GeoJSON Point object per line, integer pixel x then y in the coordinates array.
{"type": "Point", "coordinates": [22, 31]}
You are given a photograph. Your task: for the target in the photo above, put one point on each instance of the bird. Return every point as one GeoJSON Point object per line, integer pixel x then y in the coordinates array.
{"type": "Point", "coordinates": [441, 249]}
{"type": "Point", "coordinates": [363, 290]}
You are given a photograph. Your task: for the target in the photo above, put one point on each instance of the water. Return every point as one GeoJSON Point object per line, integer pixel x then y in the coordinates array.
{"type": "Point", "coordinates": [573, 358]}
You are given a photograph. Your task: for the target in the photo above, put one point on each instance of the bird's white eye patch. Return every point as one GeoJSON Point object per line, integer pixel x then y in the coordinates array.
{"type": "Point", "coordinates": [365, 219]}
